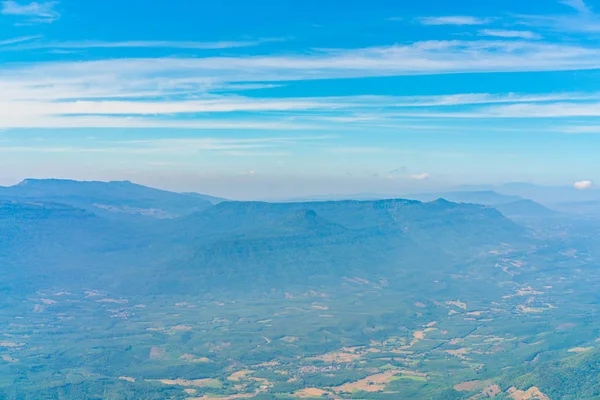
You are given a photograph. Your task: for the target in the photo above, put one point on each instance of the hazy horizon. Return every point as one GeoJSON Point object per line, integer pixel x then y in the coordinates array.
{"type": "Point", "coordinates": [261, 188]}
{"type": "Point", "coordinates": [393, 191]}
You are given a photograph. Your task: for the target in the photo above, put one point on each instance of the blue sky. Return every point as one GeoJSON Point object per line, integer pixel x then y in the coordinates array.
{"type": "Point", "coordinates": [269, 99]}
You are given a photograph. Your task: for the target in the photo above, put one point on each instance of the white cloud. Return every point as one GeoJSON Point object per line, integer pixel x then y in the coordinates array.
{"type": "Point", "coordinates": [420, 58]}
{"type": "Point", "coordinates": [582, 185]}
{"type": "Point", "coordinates": [525, 110]}
{"type": "Point", "coordinates": [454, 20]}
{"type": "Point", "coordinates": [118, 92]}
{"type": "Point", "coordinates": [582, 129]}
{"type": "Point", "coordinates": [510, 34]}
{"type": "Point", "coordinates": [279, 113]}
{"type": "Point", "coordinates": [38, 12]}
{"type": "Point", "coordinates": [28, 113]}
{"type": "Point", "coordinates": [578, 5]}
{"type": "Point", "coordinates": [576, 24]}
{"type": "Point", "coordinates": [483, 98]}
{"type": "Point", "coordinates": [420, 177]}
{"type": "Point", "coordinates": [584, 21]}
{"type": "Point", "coordinates": [549, 110]}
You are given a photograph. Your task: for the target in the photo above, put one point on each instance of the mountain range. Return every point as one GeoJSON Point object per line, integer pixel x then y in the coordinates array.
{"type": "Point", "coordinates": [547, 195]}
{"type": "Point", "coordinates": [203, 293]}
{"type": "Point", "coordinates": [90, 230]}
{"type": "Point", "coordinates": [117, 198]}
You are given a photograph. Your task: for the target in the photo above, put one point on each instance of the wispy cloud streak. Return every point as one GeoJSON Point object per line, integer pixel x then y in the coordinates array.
{"type": "Point", "coordinates": [578, 5]}
{"type": "Point", "coordinates": [250, 113]}
{"type": "Point", "coordinates": [7, 42]}
{"type": "Point", "coordinates": [583, 21]}
{"type": "Point", "coordinates": [420, 58]}
{"type": "Point", "coordinates": [529, 110]}
{"type": "Point", "coordinates": [143, 92]}
{"type": "Point", "coordinates": [510, 34]}
{"type": "Point", "coordinates": [36, 12]}
{"type": "Point", "coordinates": [454, 20]}
{"type": "Point", "coordinates": [265, 146]}
{"type": "Point", "coordinates": [130, 44]}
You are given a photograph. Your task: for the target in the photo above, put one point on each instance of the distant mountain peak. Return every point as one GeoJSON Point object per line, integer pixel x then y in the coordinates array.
{"type": "Point", "coordinates": [485, 197]}
{"type": "Point", "coordinates": [441, 201]}
{"type": "Point", "coordinates": [525, 208]}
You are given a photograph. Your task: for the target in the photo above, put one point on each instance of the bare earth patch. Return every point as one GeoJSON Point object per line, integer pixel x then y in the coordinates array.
{"type": "Point", "coordinates": [419, 335]}
{"type": "Point", "coordinates": [373, 383]}
{"type": "Point", "coordinates": [339, 357]}
{"type": "Point", "coordinates": [309, 393]}
{"type": "Point", "coordinates": [460, 353]}
{"type": "Point", "coordinates": [239, 375]}
{"type": "Point", "coordinates": [194, 359]}
{"type": "Point", "coordinates": [475, 313]}
{"type": "Point", "coordinates": [466, 386]}
{"type": "Point", "coordinates": [528, 291]}
{"type": "Point", "coordinates": [491, 391]}
{"type": "Point", "coordinates": [458, 304]}
{"type": "Point", "coordinates": [207, 382]}
{"type": "Point", "coordinates": [524, 309]}
{"type": "Point", "coordinates": [267, 364]}
{"type": "Point", "coordinates": [127, 378]}
{"type": "Point", "coordinates": [231, 397]}
{"type": "Point", "coordinates": [580, 349]}
{"type": "Point", "coordinates": [4, 343]}
{"type": "Point", "coordinates": [113, 301]}
{"type": "Point", "coordinates": [181, 328]}
{"type": "Point", "coordinates": [531, 393]}
{"type": "Point", "coordinates": [9, 359]}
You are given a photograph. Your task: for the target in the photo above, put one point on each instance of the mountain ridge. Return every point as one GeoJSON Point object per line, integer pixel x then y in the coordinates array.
{"type": "Point", "coordinates": [107, 198]}
{"type": "Point", "coordinates": [234, 244]}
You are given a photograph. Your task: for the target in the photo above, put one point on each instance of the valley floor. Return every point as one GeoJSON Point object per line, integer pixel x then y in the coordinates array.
{"type": "Point", "coordinates": [363, 338]}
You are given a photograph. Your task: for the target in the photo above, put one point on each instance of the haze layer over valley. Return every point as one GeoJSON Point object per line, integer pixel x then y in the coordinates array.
{"type": "Point", "coordinates": [169, 295]}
